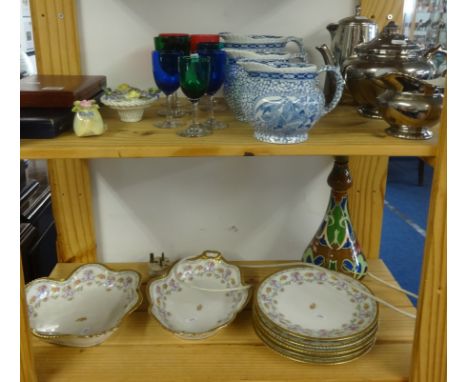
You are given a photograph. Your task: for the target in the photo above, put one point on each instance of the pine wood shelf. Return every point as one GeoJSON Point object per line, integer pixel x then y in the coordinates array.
{"type": "Point", "coordinates": [141, 350]}
{"type": "Point", "coordinates": [342, 132]}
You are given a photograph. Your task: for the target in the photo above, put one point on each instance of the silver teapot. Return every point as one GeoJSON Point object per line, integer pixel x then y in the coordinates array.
{"type": "Point", "coordinates": [389, 52]}
{"type": "Point", "coordinates": [346, 35]}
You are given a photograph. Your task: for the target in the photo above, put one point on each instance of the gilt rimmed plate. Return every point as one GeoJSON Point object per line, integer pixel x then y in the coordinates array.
{"type": "Point", "coordinates": [327, 343]}
{"type": "Point", "coordinates": [198, 296]}
{"type": "Point", "coordinates": [316, 304]}
{"type": "Point", "coordinates": [86, 308]}
{"type": "Point", "coordinates": [305, 358]}
{"type": "Point", "coordinates": [326, 348]}
{"type": "Point", "coordinates": [315, 353]}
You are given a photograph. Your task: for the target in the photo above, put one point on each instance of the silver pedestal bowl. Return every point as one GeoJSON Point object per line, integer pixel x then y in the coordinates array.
{"type": "Point", "coordinates": [409, 105]}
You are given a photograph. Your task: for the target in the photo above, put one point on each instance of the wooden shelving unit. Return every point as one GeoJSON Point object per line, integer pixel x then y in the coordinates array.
{"type": "Point", "coordinates": [141, 350]}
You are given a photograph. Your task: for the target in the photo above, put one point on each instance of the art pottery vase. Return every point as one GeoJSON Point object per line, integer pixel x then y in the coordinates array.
{"type": "Point", "coordinates": [335, 245]}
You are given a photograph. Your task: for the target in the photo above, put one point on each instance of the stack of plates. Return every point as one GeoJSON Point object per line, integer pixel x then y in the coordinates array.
{"type": "Point", "coordinates": [315, 316]}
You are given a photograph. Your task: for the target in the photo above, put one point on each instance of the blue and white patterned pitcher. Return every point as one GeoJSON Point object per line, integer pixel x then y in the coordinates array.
{"type": "Point", "coordinates": [261, 43]}
{"type": "Point", "coordinates": [285, 101]}
{"type": "Point", "coordinates": [236, 76]}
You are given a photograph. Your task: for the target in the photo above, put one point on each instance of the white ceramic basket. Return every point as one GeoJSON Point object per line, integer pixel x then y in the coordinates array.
{"type": "Point", "coordinates": [129, 110]}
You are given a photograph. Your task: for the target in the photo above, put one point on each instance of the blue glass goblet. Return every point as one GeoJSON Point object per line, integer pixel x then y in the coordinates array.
{"type": "Point", "coordinates": [218, 60]}
{"type": "Point", "coordinates": [166, 76]}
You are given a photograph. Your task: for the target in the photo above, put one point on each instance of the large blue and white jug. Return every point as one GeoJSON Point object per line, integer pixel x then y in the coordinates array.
{"type": "Point", "coordinates": [285, 100]}
{"type": "Point", "coordinates": [236, 77]}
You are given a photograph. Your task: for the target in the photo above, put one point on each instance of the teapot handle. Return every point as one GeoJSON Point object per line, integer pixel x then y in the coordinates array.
{"type": "Point", "coordinates": [339, 86]}
{"type": "Point", "coordinates": [436, 50]}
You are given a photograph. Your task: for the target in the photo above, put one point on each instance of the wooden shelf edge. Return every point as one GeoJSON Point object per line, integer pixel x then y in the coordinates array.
{"type": "Point", "coordinates": [342, 132]}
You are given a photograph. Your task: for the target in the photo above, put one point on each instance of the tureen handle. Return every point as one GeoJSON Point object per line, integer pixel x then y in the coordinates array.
{"type": "Point", "coordinates": [338, 87]}
{"type": "Point", "coordinates": [211, 254]}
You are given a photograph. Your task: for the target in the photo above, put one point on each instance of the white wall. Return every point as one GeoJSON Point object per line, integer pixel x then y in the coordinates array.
{"type": "Point", "coordinates": [249, 208]}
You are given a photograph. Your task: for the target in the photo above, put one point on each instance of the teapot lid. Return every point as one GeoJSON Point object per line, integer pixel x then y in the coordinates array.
{"type": "Point", "coordinates": [357, 19]}
{"type": "Point", "coordinates": [389, 43]}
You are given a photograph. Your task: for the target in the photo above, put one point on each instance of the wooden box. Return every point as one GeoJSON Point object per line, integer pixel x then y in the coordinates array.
{"type": "Point", "coordinates": [58, 91]}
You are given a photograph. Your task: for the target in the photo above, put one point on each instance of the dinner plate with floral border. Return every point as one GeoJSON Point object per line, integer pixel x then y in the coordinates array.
{"type": "Point", "coordinates": [315, 353]}
{"type": "Point", "coordinates": [319, 349]}
{"type": "Point", "coordinates": [316, 304]}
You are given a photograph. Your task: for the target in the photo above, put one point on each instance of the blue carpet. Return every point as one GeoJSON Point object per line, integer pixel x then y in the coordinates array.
{"type": "Point", "coordinates": [404, 221]}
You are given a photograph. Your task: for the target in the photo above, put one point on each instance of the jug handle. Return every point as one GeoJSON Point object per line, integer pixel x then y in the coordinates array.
{"type": "Point", "coordinates": [300, 43]}
{"type": "Point", "coordinates": [339, 86]}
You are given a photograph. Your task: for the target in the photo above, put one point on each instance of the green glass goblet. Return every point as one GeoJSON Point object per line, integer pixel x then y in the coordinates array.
{"type": "Point", "coordinates": [194, 74]}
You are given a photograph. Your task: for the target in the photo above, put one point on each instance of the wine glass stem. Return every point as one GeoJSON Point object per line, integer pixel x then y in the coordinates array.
{"type": "Point", "coordinates": [211, 108]}
{"type": "Point", "coordinates": [169, 108]}
{"type": "Point", "coordinates": [194, 112]}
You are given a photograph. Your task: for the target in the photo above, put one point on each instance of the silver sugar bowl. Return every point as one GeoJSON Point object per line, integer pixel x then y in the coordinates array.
{"type": "Point", "coordinates": [409, 105]}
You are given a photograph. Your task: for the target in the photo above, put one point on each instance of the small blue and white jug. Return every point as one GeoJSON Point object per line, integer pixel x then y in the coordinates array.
{"type": "Point", "coordinates": [285, 100]}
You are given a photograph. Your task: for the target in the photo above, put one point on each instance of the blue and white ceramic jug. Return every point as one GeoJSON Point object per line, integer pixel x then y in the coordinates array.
{"type": "Point", "coordinates": [285, 100]}
{"type": "Point", "coordinates": [236, 76]}
{"type": "Point", "coordinates": [261, 43]}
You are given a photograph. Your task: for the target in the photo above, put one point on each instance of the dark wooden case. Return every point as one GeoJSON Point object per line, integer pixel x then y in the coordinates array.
{"type": "Point", "coordinates": [58, 91]}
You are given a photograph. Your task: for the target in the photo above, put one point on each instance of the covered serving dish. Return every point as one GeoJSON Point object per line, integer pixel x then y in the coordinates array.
{"type": "Point", "coordinates": [389, 52]}
{"type": "Point", "coordinates": [86, 308]}
{"type": "Point", "coordinates": [198, 296]}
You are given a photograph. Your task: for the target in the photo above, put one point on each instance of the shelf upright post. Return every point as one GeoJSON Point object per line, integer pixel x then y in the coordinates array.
{"type": "Point", "coordinates": [429, 362]}
{"type": "Point", "coordinates": [56, 41]}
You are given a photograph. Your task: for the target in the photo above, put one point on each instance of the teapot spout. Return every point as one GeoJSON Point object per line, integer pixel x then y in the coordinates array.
{"type": "Point", "coordinates": [332, 28]}
{"type": "Point", "coordinates": [327, 55]}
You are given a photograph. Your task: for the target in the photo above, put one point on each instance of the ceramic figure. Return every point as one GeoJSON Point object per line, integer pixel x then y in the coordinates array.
{"type": "Point", "coordinates": [87, 120]}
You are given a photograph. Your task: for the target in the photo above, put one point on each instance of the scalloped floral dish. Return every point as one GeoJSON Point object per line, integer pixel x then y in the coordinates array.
{"type": "Point", "coordinates": [86, 308]}
{"type": "Point", "coordinates": [316, 303]}
{"type": "Point", "coordinates": [190, 300]}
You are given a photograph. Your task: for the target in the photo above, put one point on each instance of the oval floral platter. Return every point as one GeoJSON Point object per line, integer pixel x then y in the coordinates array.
{"type": "Point", "coordinates": [316, 304]}
{"type": "Point", "coordinates": [198, 296]}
